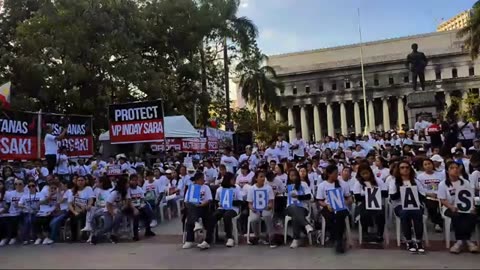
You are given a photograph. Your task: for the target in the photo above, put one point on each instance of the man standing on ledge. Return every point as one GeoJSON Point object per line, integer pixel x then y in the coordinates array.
{"type": "Point", "coordinates": [51, 147]}
{"type": "Point", "coordinates": [416, 63]}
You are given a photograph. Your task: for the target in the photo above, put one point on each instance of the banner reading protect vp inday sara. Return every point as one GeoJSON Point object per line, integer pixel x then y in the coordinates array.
{"type": "Point", "coordinates": [136, 122]}
{"type": "Point", "coordinates": [19, 134]}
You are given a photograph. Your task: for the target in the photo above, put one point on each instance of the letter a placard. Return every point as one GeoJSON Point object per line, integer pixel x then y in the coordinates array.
{"type": "Point", "coordinates": [336, 199]}
{"type": "Point", "coordinates": [464, 199]}
{"type": "Point", "coordinates": [409, 198]}
{"type": "Point", "coordinates": [373, 198]}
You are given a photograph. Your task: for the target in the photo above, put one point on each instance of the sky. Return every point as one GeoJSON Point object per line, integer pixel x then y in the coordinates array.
{"type": "Point", "coordinates": [298, 25]}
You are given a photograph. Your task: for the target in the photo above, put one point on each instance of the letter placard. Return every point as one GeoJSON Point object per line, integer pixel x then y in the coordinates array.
{"type": "Point", "coordinates": [373, 198]}
{"type": "Point", "coordinates": [260, 199]}
{"type": "Point", "coordinates": [409, 198]}
{"type": "Point", "coordinates": [226, 198]}
{"type": "Point", "coordinates": [291, 200]}
{"type": "Point", "coordinates": [336, 199]}
{"type": "Point", "coordinates": [193, 194]}
{"type": "Point", "coordinates": [464, 199]}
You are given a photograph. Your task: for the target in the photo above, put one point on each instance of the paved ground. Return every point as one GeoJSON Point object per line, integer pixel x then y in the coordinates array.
{"type": "Point", "coordinates": [164, 251]}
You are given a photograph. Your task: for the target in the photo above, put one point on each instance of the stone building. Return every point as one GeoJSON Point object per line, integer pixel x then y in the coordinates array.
{"type": "Point", "coordinates": [323, 88]}
{"type": "Point", "coordinates": [458, 22]}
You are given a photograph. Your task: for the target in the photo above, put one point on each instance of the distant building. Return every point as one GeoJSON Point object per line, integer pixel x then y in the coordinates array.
{"type": "Point", "coordinates": [455, 23]}
{"type": "Point", "coordinates": [323, 88]}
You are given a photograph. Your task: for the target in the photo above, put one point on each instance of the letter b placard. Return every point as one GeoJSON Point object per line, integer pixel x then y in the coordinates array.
{"type": "Point", "coordinates": [260, 199]}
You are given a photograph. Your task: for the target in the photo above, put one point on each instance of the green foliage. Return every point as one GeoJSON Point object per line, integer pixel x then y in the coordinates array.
{"type": "Point", "coordinates": [471, 32]}
{"type": "Point", "coordinates": [79, 56]}
{"type": "Point", "coordinates": [468, 109]}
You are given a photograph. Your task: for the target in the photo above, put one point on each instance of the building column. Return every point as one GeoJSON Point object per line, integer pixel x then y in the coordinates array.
{"type": "Point", "coordinates": [386, 114]}
{"type": "Point", "coordinates": [358, 121]}
{"type": "Point", "coordinates": [463, 103]}
{"type": "Point", "coordinates": [278, 116]}
{"type": "Point", "coordinates": [304, 123]}
{"type": "Point", "coordinates": [316, 123]}
{"type": "Point", "coordinates": [400, 112]}
{"type": "Point", "coordinates": [291, 132]}
{"type": "Point", "coordinates": [330, 128]}
{"type": "Point", "coordinates": [448, 99]}
{"type": "Point", "coordinates": [371, 116]}
{"type": "Point", "coordinates": [343, 119]}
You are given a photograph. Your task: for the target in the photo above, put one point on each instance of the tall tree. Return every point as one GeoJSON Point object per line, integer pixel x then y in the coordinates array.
{"type": "Point", "coordinates": [258, 83]}
{"type": "Point", "coordinates": [471, 32]}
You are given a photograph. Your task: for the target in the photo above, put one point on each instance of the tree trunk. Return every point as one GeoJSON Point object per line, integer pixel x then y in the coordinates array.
{"type": "Point", "coordinates": [204, 117]}
{"type": "Point", "coordinates": [227, 83]}
{"type": "Point", "coordinates": [258, 111]}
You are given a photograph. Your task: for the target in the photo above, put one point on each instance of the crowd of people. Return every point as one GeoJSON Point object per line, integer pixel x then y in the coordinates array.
{"type": "Point", "coordinates": [97, 198]}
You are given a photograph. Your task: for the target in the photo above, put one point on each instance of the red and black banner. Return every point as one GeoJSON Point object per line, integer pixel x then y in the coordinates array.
{"type": "Point", "coordinates": [79, 138]}
{"type": "Point", "coordinates": [18, 135]}
{"type": "Point", "coordinates": [136, 122]}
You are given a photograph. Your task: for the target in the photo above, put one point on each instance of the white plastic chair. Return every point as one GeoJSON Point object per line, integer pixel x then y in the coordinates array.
{"type": "Point", "coordinates": [234, 229]}
{"type": "Point", "coordinates": [162, 207]}
{"type": "Point", "coordinates": [347, 231]}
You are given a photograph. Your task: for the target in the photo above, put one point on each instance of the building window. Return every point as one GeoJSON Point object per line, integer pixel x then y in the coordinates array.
{"type": "Point", "coordinates": [390, 80]}
{"type": "Point", "coordinates": [406, 79]}
{"type": "Point", "coordinates": [347, 84]}
{"type": "Point", "coordinates": [471, 71]}
{"type": "Point", "coordinates": [307, 89]}
{"type": "Point", "coordinates": [282, 91]}
{"type": "Point", "coordinates": [334, 86]}
{"type": "Point", "coordinates": [294, 91]}
{"type": "Point", "coordinates": [454, 73]}
{"type": "Point", "coordinates": [376, 82]}
{"type": "Point", "coordinates": [438, 74]}
{"type": "Point", "coordinates": [360, 83]}
{"type": "Point", "coordinates": [320, 87]}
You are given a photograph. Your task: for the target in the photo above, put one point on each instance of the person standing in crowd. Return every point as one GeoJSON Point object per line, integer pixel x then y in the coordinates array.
{"type": "Point", "coordinates": [210, 172]}
{"type": "Point", "coordinates": [283, 147]}
{"type": "Point", "coordinates": [466, 133]}
{"type": "Point", "coordinates": [298, 147]}
{"type": "Point", "coordinates": [229, 160]}
{"type": "Point", "coordinates": [421, 125]}
{"type": "Point", "coordinates": [62, 165]}
{"type": "Point", "coordinates": [434, 131]}
{"type": "Point", "coordinates": [51, 146]}
{"type": "Point", "coordinates": [463, 223]}
{"type": "Point", "coordinates": [272, 153]}
{"type": "Point", "coordinates": [249, 157]}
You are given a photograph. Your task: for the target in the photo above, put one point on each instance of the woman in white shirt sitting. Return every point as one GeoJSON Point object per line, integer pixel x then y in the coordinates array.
{"type": "Point", "coordinates": [463, 223]}
{"type": "Point", "coordinates": [431, 180]}
{"type": "Point", "coordinates": [229, 198]}
{"type": "Point", "coordinates": [299, 196]}
{"type": "Point", "coordinates": [335, 220]}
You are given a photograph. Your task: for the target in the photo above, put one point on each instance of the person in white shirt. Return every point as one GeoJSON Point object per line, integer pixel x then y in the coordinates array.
{"type": "Point", "coordinates": [197, 205]}
{"type": "Point", "coordinates": [62, 165]}
{"type": "Point", "coordinates": [30, 205]}
{"type": "Point", "coordinates": [463, 223]}
{"type": "Point", "coordinates": [82, 168]}
{"type": "Point", "coordinates": [80, 201]}
{"type": "Point", "coordinates": [250, 157]}
{"type": "Point", "coordinates": [430, 180]}
{"type": "Point", "coordinates": [260, 198]}
{"type": "Point", "coordinates": [476, 146]}
{"type": "Point", "coordinates": [299, 196]}
{"type": "Point", "coordinates": [230, 162]}
{"type": "Point", "coordinates": [12, 199]}
{"type": "Point", "coordinates": [466, 133]}
{"type": "Point", "coordinates": [101, 193]}
{"type": "Point", "coordinates": [272, 153]}
{"type": "Point", "coordinates": [51, 147]}
{"type": "Point", "coordinates": [143, 210]}
{"type": "Point", "coordinates": [211, 173]}
{"type": "Point", "coordinates": [458, 146]}
{"type": "Point", "coordinates": [402, 140]}
{"type": "Point", "coordinates": [381, 169]}
{"type": "Point", "coordinates": [245, 177]}
{"type": "Point", "coordinates": [229, 198]}
{"type": "Point", "coordinates": [421, 124]}
{"type": "Point", "coordinates": [298, 147]}
{"type": "Point", "coordinates": [335, 219]}
{"type": "Point", "coordinates": [283, 147]}
{"type": "Point", "coordinates": [154, 192]}
{"type": "Point", "coordinates": [359, 152]}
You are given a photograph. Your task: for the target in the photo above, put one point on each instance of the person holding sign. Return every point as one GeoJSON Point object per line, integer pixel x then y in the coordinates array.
{"type": "Point", "coordinates": [407, 194]}
{"type": "Point", "coordinates": [154, 192]}
{"type": "Point", "coordinates": [430, 180]}
{"type": "Point", "coordinates": [229, 197]}
{"type": "Point", "coordinates": [197, 201]}
{"type": "Point", "coordinates": [369, 192]}
{"type": "Point", "coordinates": [260, 199]}
{"type": "Point", "coordinates": [456, 196]}
{"type": "Point", "coordinates": [334, 197]}
{"type": "Point", "coordinates": [80, 201]}
{"type": "Point", "coordinates": [140, 208]}
{"type": "Point", "coordinates": [299, 196]}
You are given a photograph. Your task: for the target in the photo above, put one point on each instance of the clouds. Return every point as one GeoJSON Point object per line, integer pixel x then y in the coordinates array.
{"type": "Point", "coordinates": [244, 3]}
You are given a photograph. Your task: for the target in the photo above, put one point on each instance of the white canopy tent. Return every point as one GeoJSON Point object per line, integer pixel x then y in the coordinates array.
{"type": "Point", "coordinates": [174, 127]}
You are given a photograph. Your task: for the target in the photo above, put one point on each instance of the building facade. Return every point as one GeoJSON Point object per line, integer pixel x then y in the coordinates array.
{"type": "Point", "coordinates": [323, 92]}
{"type": "Point", "coordinates": [455, 23]}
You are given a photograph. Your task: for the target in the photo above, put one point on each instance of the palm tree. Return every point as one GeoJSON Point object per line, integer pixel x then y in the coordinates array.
{"type": "Point", "coordinates": [471, 31]}
{"type": "Point", "coordinates": [259, 84]}
{"type": "Point", "coordinates": [229, 26]}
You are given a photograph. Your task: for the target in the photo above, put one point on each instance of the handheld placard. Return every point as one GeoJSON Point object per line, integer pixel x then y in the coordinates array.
{"type": "Point", "coordinates": [336, 199]}
{"type": "Point", "coordinates": [464, 199]}
{"type": "Point", "coordinates": [260, 199]}
{"type": "Point", "coordinates": [290, 199]}
{"type": "Point", "coordinates": [226, 198]}
{"type": "Point", "coordinates": [409, 198]}
{"type": "Point", "coordinates": [193, 194]}
{"type": "Point", "coordinates": [373, 198]}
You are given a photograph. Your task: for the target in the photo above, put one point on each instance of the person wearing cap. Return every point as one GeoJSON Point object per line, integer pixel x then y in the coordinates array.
{"type": "Point", "coordinates": [195, 211]}
{"type": "Point", "coordinates": [464, 163]}
{"type": "Point", "coordinates": [249, 157]}
{"type": "Point", "coordinates": [438, 163]}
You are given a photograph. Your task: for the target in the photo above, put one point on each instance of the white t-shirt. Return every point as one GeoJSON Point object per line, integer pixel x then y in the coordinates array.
{"type": "Point", "coordinates": [101, 196]}
{"type": "Point", "coordinates": [304, 190]}
{"type": "Point", "coordinates": [325, 186]}
{"type": "Point", "coordinates": [115, 199]}
{"type": "Point", "coordinates": [448, 193]}
{"type": "Point", "coordinates": [467, 132]}
{"type": "Point", "coordinates": [244, 179]}
{"type": "Point", "coordinates": [152, 190]}
{"type": "Point", "coordinates": [83, 170]}
{"type": "Point", "coordinates": [162, 183]}
{"type": "Point", "coordinates": [283, 148]}
{"type": "Point", "coordinates": [474, 179]}
{"type": "Point", "coordinates": [237, 196]}
{"type": "Point", "coordinates": [31, 202]}
{"type": "Point", "coordinates": [50, 142]}
{"type": "Point", "coordinates": [266, 187]}
{"type": "Point", "coordinates": [381, 173]}
{"type": "Point", "coordinates": [278, 186]}
{"type": "Point", "coordinates": [229, 162]}
{"type": "Point", "coordinates": [359, 189]}
{"type": "Point", "coordinates": [392, 189]}
{"type": "Point", "coordinates": [13, 198]}
{"type": "Point", "coordinates": [80, 200]}
{"type": "Point", "coordinates": [205, 194]}
{"type": "Point", "coordinates": [272, 154]}
{"type": "Point", "coordinates": [210, 175]}
{"type": "Point", "coordinates": [360, 153]}
{"type": "Point", "coordinates": [62, 164]}
{"type": "Point", "coordinates": [137, 196]}
{"type": "Point", "coordinates": [252, 161]}
{"type": "Point", "coordinates": [300, 151]}
{"type": "Point", "coordinates": [431, 181]}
